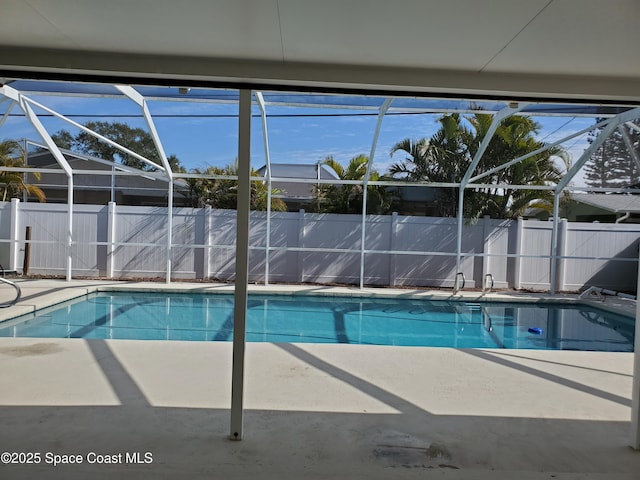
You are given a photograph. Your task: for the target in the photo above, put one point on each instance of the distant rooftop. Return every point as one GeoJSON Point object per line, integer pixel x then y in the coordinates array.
{"type": "Point", "coordinates": [615, 203]}
{"type": "Point", "coordinates": [295, 190]}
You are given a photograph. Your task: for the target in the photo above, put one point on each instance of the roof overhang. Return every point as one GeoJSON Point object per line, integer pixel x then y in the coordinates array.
{"type": "Point", "coordinates": [567, 49]}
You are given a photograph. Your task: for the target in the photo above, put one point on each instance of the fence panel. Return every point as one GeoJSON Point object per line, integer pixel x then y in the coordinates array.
{"type": "Point", "coordinates": [536, 240]}
{"type": "Point", "coordinates": [285, 233]}
{"type": "Point", "coordinates": [187, 230]}
{"type": "Point", "coordinates": [89, 227]}
{"type": "Point", "coordinates": [593, 240]}
{"type": "Point", "coordinates": [378, 237]}
{"type": "Point", "coordinates": [5, 234]}
{"type": "Point", "coordinates": [48, 224]}
{"type": "Point", "coordinates": [500, 241]}
{"type": "Point", "coordinates": [222, 262]}
{"type": "Point", "coordinates": [142, 225]}
{"type": "Point", "coordinates": [332, 231]}
{"type": "Point", "coordinates": [141, 234]}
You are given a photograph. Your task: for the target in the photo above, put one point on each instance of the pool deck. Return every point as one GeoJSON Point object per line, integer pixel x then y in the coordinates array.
{"type": "Point", "coordinates": [312, 411]}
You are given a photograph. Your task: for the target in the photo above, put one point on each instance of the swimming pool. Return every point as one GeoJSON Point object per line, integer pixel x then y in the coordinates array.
{"type": "Point", "coordinates": [314, 319]}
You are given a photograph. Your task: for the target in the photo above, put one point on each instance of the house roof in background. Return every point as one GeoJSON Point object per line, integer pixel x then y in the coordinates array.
{"type": "Point", "coordinates": [293, 190]}
{"type": "Point", "coordinates": [616, 203]}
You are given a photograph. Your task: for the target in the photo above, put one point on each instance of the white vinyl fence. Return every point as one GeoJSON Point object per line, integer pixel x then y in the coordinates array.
{"type": "Point", "coordinates": [115, 241]}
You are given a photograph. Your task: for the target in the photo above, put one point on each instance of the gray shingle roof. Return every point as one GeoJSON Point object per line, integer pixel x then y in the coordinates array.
{"type": "Point", "coordinates": [615, 203]}
{"type": "Point", "coordinates": [291, 170]}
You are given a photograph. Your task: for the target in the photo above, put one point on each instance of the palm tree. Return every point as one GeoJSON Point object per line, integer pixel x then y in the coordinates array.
{"type": "Point", "coordinates": [223, 193]}
{"type": "Point", "coordinates": [348, 198]}
{"type": "Point", "coordinates": [13, 183]}
{"type": "Point", "coordinates": [447, 155]}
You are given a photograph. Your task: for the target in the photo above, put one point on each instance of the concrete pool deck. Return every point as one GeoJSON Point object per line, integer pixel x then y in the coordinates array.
{"type": "Point", "coordinates": [312, 411]}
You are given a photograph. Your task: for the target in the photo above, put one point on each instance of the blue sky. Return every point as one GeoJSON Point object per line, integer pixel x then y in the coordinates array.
{"type": "Point", "coordinates": [208, 134]}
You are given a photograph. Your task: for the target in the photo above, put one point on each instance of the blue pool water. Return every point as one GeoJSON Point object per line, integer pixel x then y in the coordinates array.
{"type": "Point", "coordinates": [276, 318]}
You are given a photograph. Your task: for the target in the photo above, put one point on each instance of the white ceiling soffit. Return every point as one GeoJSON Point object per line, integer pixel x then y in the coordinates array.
{"type": "Point", "coordinates": [549, 48]}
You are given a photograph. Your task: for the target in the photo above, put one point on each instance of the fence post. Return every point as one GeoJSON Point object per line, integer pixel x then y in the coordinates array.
{"type": "Point", "coordinates": [562, 249]}
{"type": "Point", "coordinates": [486, 248]}
{"type": "Point", "coordinates": [207, 241]}
{"type": "Point", "coordinates": [111, 236]}
{"type": "Point", "coordinates": [27, 251]}
{"type": "Point", "coordinates": [301, 240]}
{"type": "Point", "coordinates": [14, 246]}
{"type": "Point", "coordinates": [393, 230]}
{"type": "Point", "coordinates": [517, 264]}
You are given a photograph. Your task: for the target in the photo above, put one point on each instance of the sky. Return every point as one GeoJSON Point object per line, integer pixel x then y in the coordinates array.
{"type": "Point", "coordinates": [205, 134]}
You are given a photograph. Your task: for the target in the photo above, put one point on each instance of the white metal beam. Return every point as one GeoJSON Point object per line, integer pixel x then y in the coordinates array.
{"type": "Point", "coordinates": [497, 119]}
{"type": "Point", "coordinates": [59, 157]}
{"type": "Point", "coordinates": [365, 181]}
{"type": "Point", "coordinates": [586, 155]}
{"type": "Point", "coordinates": [612, 124]}
{"type": "Point", "coordinates": [6, 114]}
{"type": "Point", "coordinates": [536, 152]}
{"type": "Point", "coordinates": [630, 146]}
{"type": "Point", "coordinates": [267, 157]}
{"type": "Point", "coordinates": [96, 135]}
{"type": "Point", "coordinates": [118, 167]}
{"type": "Point", "coordinates": [134, 95]}
{"type": "Point", "coordinates": [242, 265]}
{"type": "Point", "coordinates": [634, 126]}
{"type": "Point", "coordinates": [584, 158]}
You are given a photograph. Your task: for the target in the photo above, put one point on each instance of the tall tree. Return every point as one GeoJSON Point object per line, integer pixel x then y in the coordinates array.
{"type": "Point", "coordinates": [612, 165]}
{"type": "Point", "coordinates": [446, 156]}
{"type": "Point", "coordinates": [13, 183]}
{"type": "Point", "coordinates": [135, 139]}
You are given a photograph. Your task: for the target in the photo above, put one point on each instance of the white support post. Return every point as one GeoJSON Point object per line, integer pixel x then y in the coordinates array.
{"type": "Point", "coordinates": [381, 113]}
{"type": "Point", "coordinates": [518, 259]}
{"type": "Point", "coordinates": [14, 246]}
{"type": "Point", "coordinates": [267, 249]}
{"type": "Point", "coordinates": [486, 248]}
{"type": "Point", "coordinates": [242, 265]}
{"type": "Point", "coordinates": [113, 183]}
{"type": "Point", "coordinates": [267, 156]}
{"type": "Point", "coordinates": [635, 389]}
{"type": "Point", "coordinates": [169, 258]}
{"type": "Point", "coordinates": [392, 246]}
{"type": "Point", "coordinates": [562, 248]}
{"type": "Point", "coordinates": [69, 227]}
{"type": "Point", "coordinates": [111, 235]}
{"type": "Point", "coordinates": [207, 241]}
{"type": "Point", "coordinates": [495, 123]}
{"type": "Point", "coordinates": [553, 278]}
{"type": "Point", "coordinates": [459, 222]}
{"type": "Point", "coordinates": [301, 243]}
{"type": "Point", "coordinates": [23, 102]}
{"type": "Point", "coordinates": [134, 95]}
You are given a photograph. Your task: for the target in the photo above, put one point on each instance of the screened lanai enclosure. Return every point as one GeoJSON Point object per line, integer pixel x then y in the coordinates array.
{"type": "Point", "coordinates": [384, 190]}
